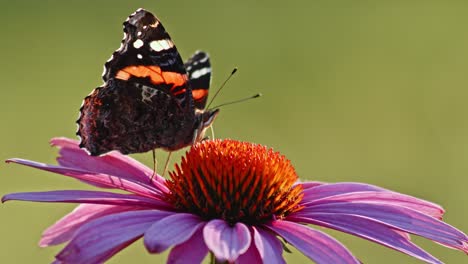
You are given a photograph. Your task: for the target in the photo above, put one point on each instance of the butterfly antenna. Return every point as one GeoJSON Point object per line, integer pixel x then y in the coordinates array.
{"type": "Point", "coordinates": [240, 100]}
{"type": "Point", "coordinates": [221, 87]}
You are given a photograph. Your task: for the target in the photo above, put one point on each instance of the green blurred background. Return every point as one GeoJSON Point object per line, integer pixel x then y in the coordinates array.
{"type": "Point", "coordinates": [367, 91]}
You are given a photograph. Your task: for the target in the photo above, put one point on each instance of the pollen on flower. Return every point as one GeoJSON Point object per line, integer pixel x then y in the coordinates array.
{"type": "Point", "coordinates": [235, 181]}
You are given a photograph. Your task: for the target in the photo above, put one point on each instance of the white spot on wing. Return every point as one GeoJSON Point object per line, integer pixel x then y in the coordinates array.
{"type": "Point", "coordinates": [159, 45]}
{"type": "Point", "coordinates": [198, 73]}
{"type": "Point", "coordinates": [155, 25]}
{"type": "Point", "coordinates": [204, 59]}
{"type": "Point", "coordinates": [139, 56]}
{"type": "Point", "coordinates": [138, 43]}
{"type": "Point", "coordinates": [139, 33]}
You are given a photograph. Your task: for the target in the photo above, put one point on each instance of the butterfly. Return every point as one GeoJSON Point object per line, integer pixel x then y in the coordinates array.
{"type": "Point", "coordinates": [150, 99]}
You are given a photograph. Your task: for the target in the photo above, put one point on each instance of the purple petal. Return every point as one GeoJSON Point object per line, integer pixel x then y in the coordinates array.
{"type": "Point", "coordinates": [388, 198]}
{"type": "Point", "coordinates": [112, 163]}
{"type": "Point", "coordinates": [268, 246]}
{"type": "Point", "coordinates": [250, 256]}
{"type": "Point", "coordinates": [316, 245]}
{"type": "Point", "coordinates": [100, 239]}
{"type": "Point", "coordinates": [64, 229]}
{"type": "Point", "coordinates": [170, 231]}
{"type": "Point", "coordinates": [332, 189]}
{"type": "Point", "coordinates": [226, 242]}
{"type": "Point", "coordinates": [93, 197]}
{"type": "Point", "coordinates": [99, 178]}
{"type": "Point", "coordinates": [309, 184]}
{"type": "Point", "coordinates": [193, 250]}
{"type": "Point", "coordinates": [368, 229]}
{"type": "Point", "coordinates": [400, 218]}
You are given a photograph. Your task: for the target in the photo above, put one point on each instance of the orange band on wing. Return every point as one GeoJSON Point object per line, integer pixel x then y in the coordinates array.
{"type": "Point", "coordinates": [156, 75]}
{"type": "Point", "coordinates": [199, 94]}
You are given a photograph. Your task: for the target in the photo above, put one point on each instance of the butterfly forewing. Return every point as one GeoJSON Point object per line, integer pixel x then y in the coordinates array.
{"type": "Point", "coordinates": [148, 56]}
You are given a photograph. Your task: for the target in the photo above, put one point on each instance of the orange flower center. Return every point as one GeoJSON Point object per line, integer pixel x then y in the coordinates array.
{"type": "Point", "coordinates": [235, 181]}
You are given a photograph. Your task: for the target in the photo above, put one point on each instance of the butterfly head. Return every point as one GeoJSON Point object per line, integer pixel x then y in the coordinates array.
{"type": "Point", "coordinates": [204, 120]}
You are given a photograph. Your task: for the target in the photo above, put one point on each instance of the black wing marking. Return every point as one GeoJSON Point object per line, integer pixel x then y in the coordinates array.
{"type": "Point", "coordinates": [145, 42]}
{"type": "Point", "coordinates": [199, 72]}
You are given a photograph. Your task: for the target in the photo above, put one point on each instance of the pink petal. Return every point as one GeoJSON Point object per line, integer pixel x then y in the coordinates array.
{"type": "Point", "coordinates": [268, 246]}
{"type": "Point", "coordinates": [332, 189]}
{"type": "Point", "coordinates": [401, 218]}
{"type": "Point", "coordinates": [104, 179]}
{"type": "Point", "coordinates": [170, 231]}
{"type": "Point", "coordinates": [368, 229]}
{"type": "Point", "coordinates": [225, 241]}
{"type": "Point", "coordinates": [94, 197]}
{"type": "Point", "coordinates": [112, 163]}
{"type": "Point", "coordinates": [310, 184]}
{"type": "Point", "coordinates": [250, 256]}
{"type": "Point", "coordinates": [100, 239]}
{"type": "Point", "coordinates": [193, 250]}
{"type": "Point", "coordinates": [316, 245]}
{"type": "Point", "coordinates": [388, 198]}
{"type": "Point", "coordinates": [64, 229]}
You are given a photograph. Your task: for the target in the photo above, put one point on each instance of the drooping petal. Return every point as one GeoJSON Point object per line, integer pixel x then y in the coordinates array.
{"type": "Point", "coordinates": [250, 256]}
{"type": "Point", "coordinates": [64, 229]}
{"type": "Point", "coordinates": [368, 229]}
{"type": "Point", "coordinates": [112, 163]}
{"type": "Point", "coordinates": [316, 245]}
{"type": "Point", "coordinates": [388, 198]}
{"type": "Point", "coordinates": [92, 197]}
{"type": "Point", "coordinates": [332, 189]}
{"type": "Point", "coordinates": [99, 178]}
{"type": "Point", "coordinates": [170, 231]}
{"type": "Point", "coordinates": [193, 250]}
{"type": "Point", "coordinates": [226, 242]}
{"type": "Point", "coordinates": [100, 239]}
{"type": "Point", "coordinates": [401, 218]}
{"type": "Point", "coordinates": [268, 246]}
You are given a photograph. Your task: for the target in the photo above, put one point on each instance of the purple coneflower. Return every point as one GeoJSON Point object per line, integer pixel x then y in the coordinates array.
{"type": "Point", "coordinates": [238, 201]}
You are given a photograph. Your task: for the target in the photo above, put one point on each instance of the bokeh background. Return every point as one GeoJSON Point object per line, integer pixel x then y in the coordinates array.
{"type": "Point", "coordinates": [366, 91]}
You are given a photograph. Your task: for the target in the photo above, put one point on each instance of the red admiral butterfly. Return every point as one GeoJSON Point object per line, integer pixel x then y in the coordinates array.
{"type": "Point", "coordinates": [150, 98]}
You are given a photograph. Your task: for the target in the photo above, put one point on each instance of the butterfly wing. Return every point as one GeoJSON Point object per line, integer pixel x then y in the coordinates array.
{"type": "Point", "coordinates": [199, 71]}
{"type": "Point", "coordinates": [146, 101]}
{"type": "Point", "coordinates": [148, 56]}
{"type": "Point", "coordinates": [132, 118]}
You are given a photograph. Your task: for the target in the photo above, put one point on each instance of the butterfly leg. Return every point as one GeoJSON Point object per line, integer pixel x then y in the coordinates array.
{"type": "Point", "coordinates": [155, 164]}
{"type": "Point", "coordinates": [212, 132]}
{"type": "Point", "coordinates": [166, 166]}
{"type": "Point", "coordinates": [212, 135]}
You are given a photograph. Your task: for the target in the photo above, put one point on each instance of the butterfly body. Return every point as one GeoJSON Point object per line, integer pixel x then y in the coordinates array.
{"type": "Point", "coordinates": [150, 99]}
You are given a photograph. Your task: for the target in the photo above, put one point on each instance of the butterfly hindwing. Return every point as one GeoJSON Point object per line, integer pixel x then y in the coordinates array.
{"type": "Point", "coordinates": [199, 72]}
{"type": "Point", "coordinates": [131, 117]}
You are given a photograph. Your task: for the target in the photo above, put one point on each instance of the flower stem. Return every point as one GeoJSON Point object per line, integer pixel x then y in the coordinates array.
{"type": "Point", "coordinates": [212, 258]}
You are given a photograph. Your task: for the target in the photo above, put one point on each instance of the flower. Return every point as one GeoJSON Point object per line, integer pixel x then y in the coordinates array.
{"type": "Point", "coordinates": [237, 200]}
